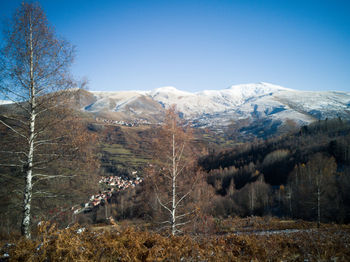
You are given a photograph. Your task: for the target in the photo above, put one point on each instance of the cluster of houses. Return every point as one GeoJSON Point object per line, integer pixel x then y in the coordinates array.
{"type": "Point", "coordinates": [118, 182]}
{"type": "Point", "coordinates": [110, 184]}
{"type": "Point", "coordinates": [102, 197]}
{"type": "Point", "coordinates": [136, 122]}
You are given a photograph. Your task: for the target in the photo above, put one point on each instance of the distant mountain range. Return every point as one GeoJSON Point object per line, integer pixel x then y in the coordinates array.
{"type": "Point", "coordinates": [254, 104]}
{"type": "Point", "coordinates": [5, 102]}
{"type": "Point", "coordinates": [215, 108]}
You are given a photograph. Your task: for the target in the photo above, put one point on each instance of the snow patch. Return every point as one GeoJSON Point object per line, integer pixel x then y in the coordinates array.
{"type": "Point", "coordinates": [219, 107]}
{"type": "Point", "coordinates": [5, 102]}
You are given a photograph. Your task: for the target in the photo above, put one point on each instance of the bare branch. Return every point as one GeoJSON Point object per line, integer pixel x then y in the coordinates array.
{"type": "Point", "coordinates": [160, 202]}
{"type": "Point", "coordinates": [165, 222]}
{"type": "Point", "coordinates": [186, 214]}
{"type": "Point", "coordinates": [12, 129]}
{"type": "Point", "coordinates": [43, 193]}
{"type": "Point", "coordinates": [14, 119]}
{"type": "Point", "coordinates": [182, 198]}
{"type": "Point", "coordinates": [12, 92]}
{"type": "Point", "coordinates": [51, 176]}
{"type": "Point", "coordinates": [48, 140]}
{"type": "Point", "coordinates": [15, 102]}
{"type": "Point", "coordinates": [181, 224]}
{"type": "Point", "coordinates": [14, 152]}
{"type": "Point", "coordinates": [11, 165]}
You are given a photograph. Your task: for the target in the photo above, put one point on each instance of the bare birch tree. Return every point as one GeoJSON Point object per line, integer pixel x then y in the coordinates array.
{"type": "Point", "coordinates": [310, 184]}
{"type": "Point", "coordinates": [34, 73]}
{"type": "Point", "coordinates": [174, 175]}
{"type": "Point", "coordinates": [319, 171]}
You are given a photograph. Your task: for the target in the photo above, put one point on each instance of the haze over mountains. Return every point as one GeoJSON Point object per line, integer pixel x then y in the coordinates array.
{"type": "Point", "coordinates": [215, 108]}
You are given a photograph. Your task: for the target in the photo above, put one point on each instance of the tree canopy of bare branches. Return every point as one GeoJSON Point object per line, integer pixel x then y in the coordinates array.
{"type": "Point", "coordinates": [174, 172]}
{"type": "Point", "coordinates": [34, 76]}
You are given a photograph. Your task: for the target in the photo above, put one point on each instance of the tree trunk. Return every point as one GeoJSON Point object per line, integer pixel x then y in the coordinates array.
{"type": "Point", "coordinates": [106, 210]}
{"type": "Point", "coordinates": [171, 154]}
{"type": "Point", "coordinates": [173, 214]}
{"type": "Point", "coordinates": [25, 226]}
{"type": "Point", "coordinates": [318, 207]}
{"type": "Point", "coordinates": [252, 200]}
{"type": "Point", "coordinates": [27, 199]}
{"type": "Point", "coordinates": [290, 204]}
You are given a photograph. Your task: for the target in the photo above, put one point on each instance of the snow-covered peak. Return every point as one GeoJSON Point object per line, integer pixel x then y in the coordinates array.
{"type": "Point", "coordinates": [245, 101]}
{"type": "Point", "coordinates": [193, 104]}
{"type": "Point", "coordinates": [257, 89]}
{"type": "Point", "coordinates": [5, 102]}
{"type": "Point", "coordinates": [118, 94]}
{"type": "Point", "coordinates": [167, 89]}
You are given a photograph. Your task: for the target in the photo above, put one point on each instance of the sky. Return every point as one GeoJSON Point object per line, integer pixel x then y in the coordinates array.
{"type": "Point", "coordinates": [195, 45]}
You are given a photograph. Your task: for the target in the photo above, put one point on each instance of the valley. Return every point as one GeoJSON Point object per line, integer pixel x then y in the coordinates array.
{"type": "Point", "coordinates": [177, 131]}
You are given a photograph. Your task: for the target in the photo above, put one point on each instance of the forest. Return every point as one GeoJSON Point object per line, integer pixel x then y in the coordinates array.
{"type": "Point", "coordinates": [289, 176]}
{"type": "Point", "coordinates": [301, 175]}
{"type": "Point", "coordinates": [294, 183]}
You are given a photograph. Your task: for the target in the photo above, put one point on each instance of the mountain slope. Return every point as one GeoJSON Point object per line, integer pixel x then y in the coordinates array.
{"type": "Point", "coordinates": [219, 108]}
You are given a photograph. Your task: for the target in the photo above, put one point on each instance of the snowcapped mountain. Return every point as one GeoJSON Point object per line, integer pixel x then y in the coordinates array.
{"type": "Point", "coordinates": [210, 108]}
{"type": "Point", "coordinates": [5, 102]}
{"type": "Point", "coordinates": [213, 101]}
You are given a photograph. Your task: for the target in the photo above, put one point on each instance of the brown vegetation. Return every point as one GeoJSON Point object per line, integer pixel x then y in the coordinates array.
{"type": "Point", "coordinates": [76, 244]}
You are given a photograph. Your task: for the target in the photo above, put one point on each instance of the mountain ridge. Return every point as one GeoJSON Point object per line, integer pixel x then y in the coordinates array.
{"type": "Point", "coordinates": [257, 105]}
{"type": "Point", "coordinates": [254, 101]}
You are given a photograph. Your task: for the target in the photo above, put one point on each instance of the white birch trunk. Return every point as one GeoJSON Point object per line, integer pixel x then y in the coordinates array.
{"type": "Point", "coordinates": [27, 199]}
{"type": "Point", "coordinates": [173, 210]}
{"type": "Point", "coordinates": [252, 200]}
{"type": "Point", "coordinates": [35, 70]}
{"type": "Point", "coordinates": [318, 207]}
{"type": "Point", "coordinates": [174, 196]}
{"type": "Point", "coordinates": [319, 179]}
{"type": "Point", "coordinates": [289, 196]}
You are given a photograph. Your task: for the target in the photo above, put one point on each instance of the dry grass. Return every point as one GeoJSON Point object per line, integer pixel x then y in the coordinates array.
{"type": "Point", "coordinates": [109, 244]}
{"type": "Point", "coordinates": [251, 224]}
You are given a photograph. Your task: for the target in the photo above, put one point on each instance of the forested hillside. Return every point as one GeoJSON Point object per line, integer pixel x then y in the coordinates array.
{"type": "Point", "coordinates": [260, 177]}
{"type": "Point", "coordinates": [254, 178]}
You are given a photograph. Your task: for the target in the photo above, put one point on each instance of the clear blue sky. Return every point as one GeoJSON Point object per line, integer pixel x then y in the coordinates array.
{"type": "Point", "coordinates": [196, 45]}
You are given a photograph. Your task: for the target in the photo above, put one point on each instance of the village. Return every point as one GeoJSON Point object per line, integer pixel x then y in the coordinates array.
{"type": "Point", "coordinates": [110, 185]}
{"type": "Point", "coordinates": [136, 122]}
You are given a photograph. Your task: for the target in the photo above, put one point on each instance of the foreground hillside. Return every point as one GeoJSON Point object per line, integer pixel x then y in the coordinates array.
{"type": "Point", "coordinates": [91, 244]}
